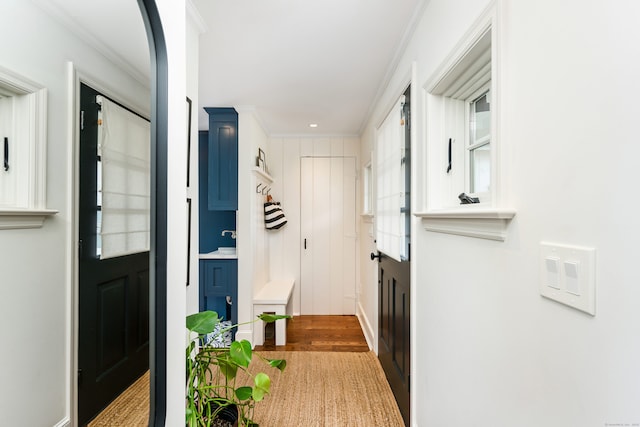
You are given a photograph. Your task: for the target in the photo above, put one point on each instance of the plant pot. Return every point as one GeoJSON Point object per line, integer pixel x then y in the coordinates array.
{"type": "Point", "coordinates": [227, 417]}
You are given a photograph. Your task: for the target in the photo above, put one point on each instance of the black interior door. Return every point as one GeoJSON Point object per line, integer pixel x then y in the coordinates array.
{"type": "Point", "coordinates": [113, 347]}
{"type": "Point", "coordinates": [394, 347]}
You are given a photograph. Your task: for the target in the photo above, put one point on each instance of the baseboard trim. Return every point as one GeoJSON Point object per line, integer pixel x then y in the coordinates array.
{"type": "Point", "coordinates": [65, 422]}
{"type": "Point", "coordinates": [366, 327]}
{"type": "Point", "coordinates": [245, 335]}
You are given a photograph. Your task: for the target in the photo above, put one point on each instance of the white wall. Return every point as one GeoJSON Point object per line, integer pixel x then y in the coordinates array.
{"type": "Point", "coordinates": [36, 288]}
{"type": "Point", "coordinates": [284, 165]}
{"type": "Point", "coordinates": [488, 349]}
{"type": "Point", "coordinates": [253, 254]}
{"type": "Point", "coordinates": [368, 284]}
{"type": "Point", "coordinates": [195, 27]}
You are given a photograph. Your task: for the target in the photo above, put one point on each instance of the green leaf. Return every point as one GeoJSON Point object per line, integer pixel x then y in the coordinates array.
{"type": "Point", "coordinates": [269, 318]}
{"type": "Point", "coordinates": [243, 393]}
{"type": "Point", "coordinates": [278, 363]}
{"type": "Point", "coordinates": [228, 368]}
{"type": "Point", "coordinates": [203, 322]}
{"type": "Point", "coordinates": [258, 394]}
{"type": "Point", "coordinates": [263, 385]}
{"type": "Point", "coordinates": [241, 353]}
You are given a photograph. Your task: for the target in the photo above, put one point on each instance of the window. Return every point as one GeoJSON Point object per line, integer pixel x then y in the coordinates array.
{"type": "Point", "coordinates": [464, 91]}
{"type": "Point", "coordinates": [479, 144]}
{"type": "Point", "coordinates": [462, 112]}
{"type": "Point", "coordinates": [23, 150]}
{"type": "Point", "coordinates": [367, 190]}
{"type": "Point", "coordinates": [392, 190]}
{"type": "Point", "coordinates": [123, 199]}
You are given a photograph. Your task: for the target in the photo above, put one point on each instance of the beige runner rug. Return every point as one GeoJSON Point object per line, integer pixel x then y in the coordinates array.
{"type": "Point", "coordinates": [327, 389]}
{"type": "Point", "coordinates": [317, 389]}
{"type": "Point", "coordinates": [130, 409]}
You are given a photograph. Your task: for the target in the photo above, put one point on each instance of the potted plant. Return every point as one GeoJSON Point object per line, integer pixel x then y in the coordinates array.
{"type": "Point", "coordinates": [213, 397]}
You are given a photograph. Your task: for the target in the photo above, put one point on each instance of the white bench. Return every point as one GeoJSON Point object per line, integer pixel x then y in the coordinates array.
{"type": "Point", "coordinates": [273, 298]}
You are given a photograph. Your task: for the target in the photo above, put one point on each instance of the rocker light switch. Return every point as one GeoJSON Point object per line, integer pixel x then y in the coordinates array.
{"type": "Point", "coordinates": [568, 275]}
{"type": "Point", "coordinates": [553, 276]}
{"type": "Point", "coordinates": [571, 269]}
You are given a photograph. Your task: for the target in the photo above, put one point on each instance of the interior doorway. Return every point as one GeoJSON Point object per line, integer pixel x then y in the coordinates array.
{"type": "Point", "coordinates": [113, 291]}
{"type": "Point", "coordinates": [328, 234]}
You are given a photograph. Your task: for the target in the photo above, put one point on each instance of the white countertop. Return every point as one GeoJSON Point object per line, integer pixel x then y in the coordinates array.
{"type": "Point", "coordinates": [218, 255]}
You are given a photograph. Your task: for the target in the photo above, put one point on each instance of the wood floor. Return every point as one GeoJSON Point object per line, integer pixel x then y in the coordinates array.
{"type": "Point", "coordinates": [319, 333]}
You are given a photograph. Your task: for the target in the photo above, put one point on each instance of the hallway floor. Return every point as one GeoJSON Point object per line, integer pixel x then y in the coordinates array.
{"type": "Point", "coordinates": [319, 333]}
{"type": "Point", "coordinates": [304, 333]}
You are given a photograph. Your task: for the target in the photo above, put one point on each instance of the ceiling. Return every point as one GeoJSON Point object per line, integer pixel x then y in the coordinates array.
{"type": "Point", "coordinates": [294, 62]}
{"type": "Point", "coordinates": [94, 22]}
{"type": "Point", "coordinates": [299, 62]}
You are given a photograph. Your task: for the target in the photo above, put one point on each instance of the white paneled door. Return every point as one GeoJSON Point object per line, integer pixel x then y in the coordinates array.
{"type": "Point", "coordinates": [328, 233]}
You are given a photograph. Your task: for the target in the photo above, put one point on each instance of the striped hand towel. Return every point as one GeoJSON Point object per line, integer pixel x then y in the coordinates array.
{"type": "Point", "coordinates": [273, 216]}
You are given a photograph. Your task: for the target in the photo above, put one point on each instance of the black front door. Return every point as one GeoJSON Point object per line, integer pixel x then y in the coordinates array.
{"type": "Point", "coordinates": [394, 296]}
{"type": "Point", "coordinates": [113, 347]}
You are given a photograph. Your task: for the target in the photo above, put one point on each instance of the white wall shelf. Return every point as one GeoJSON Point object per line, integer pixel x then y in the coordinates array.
{"type": "Point", "coordinates": [263, 175]}
{"type": "Point", "coordinates": [481, 223]}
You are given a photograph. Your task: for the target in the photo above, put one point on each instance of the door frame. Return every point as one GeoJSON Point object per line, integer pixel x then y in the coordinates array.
{"type": "Point", "coordinates": [136, 355]}
{"type": "Point", "coordinates": [417, 199]}
{"type": "Point", "coordinates": [76, 76]}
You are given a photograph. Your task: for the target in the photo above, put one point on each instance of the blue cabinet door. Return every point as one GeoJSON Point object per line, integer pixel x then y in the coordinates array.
{"type": "Point", "coordinates": [219, 280]}
{"type": "Point", "coordinates": [223, 159]}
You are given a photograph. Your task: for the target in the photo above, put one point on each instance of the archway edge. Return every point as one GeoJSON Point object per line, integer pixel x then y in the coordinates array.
{"type": "Point", "coordinates": [158, 251]}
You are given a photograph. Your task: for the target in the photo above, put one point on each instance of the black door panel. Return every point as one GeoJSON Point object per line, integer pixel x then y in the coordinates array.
{"type": "Point", "coordinates": [394, 331]}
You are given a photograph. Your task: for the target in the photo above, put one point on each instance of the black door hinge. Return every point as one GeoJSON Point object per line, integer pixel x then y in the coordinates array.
{"type": "Point", "coordinates": [79, 377]}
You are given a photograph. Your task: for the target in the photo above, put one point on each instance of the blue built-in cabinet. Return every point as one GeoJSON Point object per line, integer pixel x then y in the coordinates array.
{"type": "Point", "coordinates": [218, 196]}
{"type": "Point", "coordinates": [219, 280]}
{"type": "Point", "coordinates": [212, 222]}
{"type": "Point", "coordinates": [223, 159]}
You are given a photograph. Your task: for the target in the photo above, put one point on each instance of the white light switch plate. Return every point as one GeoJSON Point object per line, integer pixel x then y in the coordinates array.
{"type": "Point", "coordinates": [568, 275]}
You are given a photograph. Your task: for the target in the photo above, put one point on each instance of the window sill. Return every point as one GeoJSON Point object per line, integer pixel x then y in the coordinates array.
{"type": "Point", "coordinates": [24, 218]}
{"type": "Point", "coordinates": [481, 223]}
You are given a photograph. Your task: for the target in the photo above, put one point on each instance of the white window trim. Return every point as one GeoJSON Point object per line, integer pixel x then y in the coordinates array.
{"type": "Point", "coordinates": [30, 211]}
{"type": "Point", "coordinates": [490, 219]}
